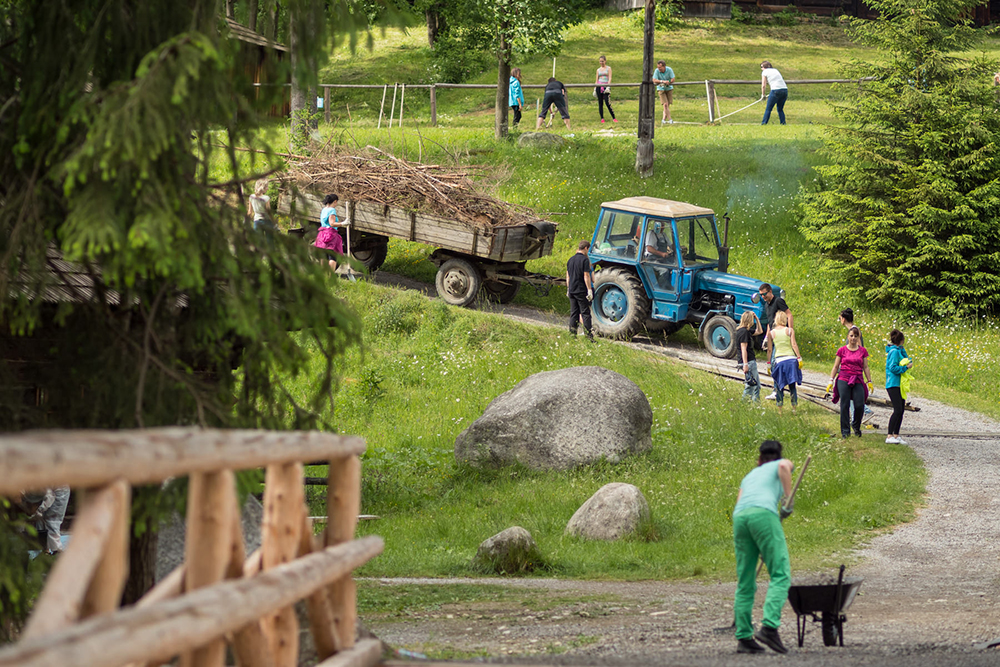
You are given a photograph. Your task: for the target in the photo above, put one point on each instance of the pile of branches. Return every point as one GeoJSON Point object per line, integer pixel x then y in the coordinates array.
{"type": "Point", "coordinates": [376, 176]}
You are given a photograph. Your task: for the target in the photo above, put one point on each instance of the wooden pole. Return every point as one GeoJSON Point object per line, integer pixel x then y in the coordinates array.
{"type": "Point", "coordinates": [326, 103]}
{"type": "Point", "coordinates": [381, 109]}
{"type": "Point", "coordinates": [644, 147]}
{"type": "Point", "coordinates": [708, 98]}
{"type": "Point", "coordinates": [284, 507]}
{"type": "Point", "coordinates": [208, 547]}
{"type": "Point", "coordinates": [366, 653]}
{"type": "Point", "coordinates": [62, 599]}
{"type": "Point", "coordinates": [162, 630]}
{"type": "Point", "coordinates": [87, 459]}
{"type": "Point", "coordinates": [250, 646]}
{"type": "Point", "coordinates": [343, 504]}
{"type": "Point", "coordinates": [402, 96]}
{"type": "Point", "coordinates": [434, 106]}
{"type": "Point", "coordinates": [392, 112]}
{"type": "Point", "coordinates": [105, 591]}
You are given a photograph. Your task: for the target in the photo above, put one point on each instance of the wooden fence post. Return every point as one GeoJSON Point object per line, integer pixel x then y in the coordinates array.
{"type": "Point", "coordinates": [208, 545]}
{"type": "Point", "coordinates": [321, 622]}
{"type": "Point", "coordinates": [284, 505]}
{"type": "Point", "coordinates": [434, 105]}
{"type": "Point", "coordinates": [708, 97]}
{"type": "Point", "coordinates": [343, 504]}
{"type": "Point", "coordinates": [326, 103]}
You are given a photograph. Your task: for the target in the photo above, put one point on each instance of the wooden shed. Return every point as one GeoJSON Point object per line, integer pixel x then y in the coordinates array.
{"type": "Point", "coordinates": [265, 63]}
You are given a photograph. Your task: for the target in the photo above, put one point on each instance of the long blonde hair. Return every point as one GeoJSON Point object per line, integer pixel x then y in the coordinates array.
{"type": "Point", "coordinates": [781, 318]}
{"type": "Point", "coordinates": [746, 320]}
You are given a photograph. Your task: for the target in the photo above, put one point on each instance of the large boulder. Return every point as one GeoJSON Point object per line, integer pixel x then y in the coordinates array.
{"type": "Point", "coordinates": [508, 552]}
{"type": "Point", "coordinates": [615, 511]}
{"type": "Point", "coordinates": [540, 140]}
{"type": "Point", "coordinates": [557, 420]}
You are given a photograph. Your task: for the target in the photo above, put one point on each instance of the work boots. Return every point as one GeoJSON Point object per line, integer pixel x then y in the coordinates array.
{"type": "Point", "coordinates": [748, 646]}
{"type": "Point", "coordinates": [769, 637]}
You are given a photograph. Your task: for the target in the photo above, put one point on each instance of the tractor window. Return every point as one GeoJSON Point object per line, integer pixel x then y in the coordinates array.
{"type": "Point", "coordinates": [616, 234]}
{"type": "Point", "coordinates": [699, 239]}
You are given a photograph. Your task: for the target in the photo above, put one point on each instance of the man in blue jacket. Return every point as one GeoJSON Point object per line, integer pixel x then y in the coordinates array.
{"type": "Point", "coordinates": [757, 533]}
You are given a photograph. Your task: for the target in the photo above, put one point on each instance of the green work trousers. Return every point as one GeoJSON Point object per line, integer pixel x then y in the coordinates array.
{"type": "Point", "coordinates": [757, 534]}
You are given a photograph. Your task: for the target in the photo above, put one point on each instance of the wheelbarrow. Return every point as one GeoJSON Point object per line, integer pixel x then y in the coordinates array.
{"type": "Point", "coordinates": [826, 604]}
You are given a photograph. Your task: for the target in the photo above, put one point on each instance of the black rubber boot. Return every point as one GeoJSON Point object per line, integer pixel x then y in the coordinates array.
{"type": "Point", "coordinates": [748, 646]}
{"type": "Point", "coordinates": [769, 637]}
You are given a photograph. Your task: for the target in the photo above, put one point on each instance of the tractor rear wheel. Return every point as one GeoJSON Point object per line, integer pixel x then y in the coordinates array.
{"type": "Point", "coordinates": [620, 305]}
{"type": "Point", "coordinates": [719, 336]}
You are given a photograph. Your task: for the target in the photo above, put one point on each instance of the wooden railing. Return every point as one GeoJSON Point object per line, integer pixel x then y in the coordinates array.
{"type": "Point", "coordinates": [219, 595]}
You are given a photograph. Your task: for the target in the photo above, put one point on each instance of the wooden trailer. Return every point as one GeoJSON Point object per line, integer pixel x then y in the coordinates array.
{"type": "Point", "coordinates": [473, 262]}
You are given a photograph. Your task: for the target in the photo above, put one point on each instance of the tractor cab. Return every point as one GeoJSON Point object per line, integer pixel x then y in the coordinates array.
{"type": "Point", "coordinates": [661, 264]}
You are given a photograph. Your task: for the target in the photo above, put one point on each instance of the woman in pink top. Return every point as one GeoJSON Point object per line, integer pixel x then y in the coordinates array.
{"type": "Point", "coordinates": [846, 381]}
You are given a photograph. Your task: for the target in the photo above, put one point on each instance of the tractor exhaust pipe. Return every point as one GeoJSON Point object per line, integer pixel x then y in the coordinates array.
{"type": "Point", "coordinates": [724, 250]}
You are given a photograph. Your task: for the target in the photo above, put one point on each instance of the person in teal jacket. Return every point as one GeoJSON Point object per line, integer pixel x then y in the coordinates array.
{"type": "Point", "coordinates": [897, 362]}
{"type": "Point", "coordinates": [515, 96]}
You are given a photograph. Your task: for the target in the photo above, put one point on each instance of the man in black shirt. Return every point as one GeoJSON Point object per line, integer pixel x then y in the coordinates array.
{"type": "Point", "coordinates": [579, 289]}
{"type": "Point", "coordinates": [773, 304]}
{"type": "Point", "coordinates": [555, 93]}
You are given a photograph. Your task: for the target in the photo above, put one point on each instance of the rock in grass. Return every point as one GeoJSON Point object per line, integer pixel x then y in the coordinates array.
{"type": "Point", "coordinates": [508, 552]}
{"type": "Point", "coordinates": [615, 511]}
{"type": "Point", "coordinates": [540, 140]}
{"type": "Point", "coordinates": [557, 420]}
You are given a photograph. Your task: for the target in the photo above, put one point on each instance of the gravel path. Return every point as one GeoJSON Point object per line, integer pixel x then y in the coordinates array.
{"type": "Point", "coordinates": [931, 589]}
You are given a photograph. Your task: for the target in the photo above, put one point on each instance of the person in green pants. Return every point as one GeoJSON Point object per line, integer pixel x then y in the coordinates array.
{"type": "Point", "coordinates": [757, 534]}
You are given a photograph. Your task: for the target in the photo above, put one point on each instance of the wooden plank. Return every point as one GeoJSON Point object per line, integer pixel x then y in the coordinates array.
{"type": "Point", "coordinates": [343, 503]}
{"type": "Point", "coordinates": [250, 646]}
{"type": "Point", "coordinates": [61, 601]}
{"type": "Point", "coordinates": [162, 630]}
{"type": "Point", "coordinates": [366, 653]}
{"type": "Point", "coordinates": [104, 593]}
{"type": "Point", "coordinates": [322, 626]}
{"type": "Point", "coordinates": [284, 508]}
{"type": "Point", "coordinates": [208, 546]}
{"type": "Point", "coordinates": [169, 587]}
{"type": "Point", "coordinates": [91, 458]}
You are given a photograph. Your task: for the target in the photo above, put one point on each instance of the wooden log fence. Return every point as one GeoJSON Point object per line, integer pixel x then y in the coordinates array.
{"type": "Point", "coordinates": [710, 92]}
{"type": "Point", "coordinates": [219, 596]}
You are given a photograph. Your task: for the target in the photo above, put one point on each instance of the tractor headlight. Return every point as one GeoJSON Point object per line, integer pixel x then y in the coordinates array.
{"type": "Point", "coordinates": [755, 298]}
{"type": "Point", "coordinates": [782, 294]}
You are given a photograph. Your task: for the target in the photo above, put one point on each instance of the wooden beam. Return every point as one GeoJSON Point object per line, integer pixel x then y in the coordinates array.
{"type": "Point", "coordinates": [92, 458]}
{"type": "Point", "coordinates": [250, 645]}
{"type": "Point", "coordinates": [208, 546]}
{"type": "Point", "coordinates": [284, 509]}
{"type": "Point", "coordinates": [162, 630]}
{"type": "Point", "coordinates": [366, 653]}
{"type": "Point", "coordinates": [62, 600]}
{"type": "Point", "coordinates": [343, 504]}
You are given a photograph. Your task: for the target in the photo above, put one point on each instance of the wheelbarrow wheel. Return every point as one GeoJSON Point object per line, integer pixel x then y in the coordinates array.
{"type": "Point", "coordinates": [831, 632]}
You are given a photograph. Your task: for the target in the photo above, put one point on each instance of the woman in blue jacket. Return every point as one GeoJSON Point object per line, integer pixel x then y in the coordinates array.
{"type": "Point", "coordinates": [897, 362]}
{"type": "Point", "coordinates": [515, 96]}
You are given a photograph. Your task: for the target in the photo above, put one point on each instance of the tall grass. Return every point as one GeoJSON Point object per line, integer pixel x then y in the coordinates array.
{"type": "Point", "coordinates": [428, 370]}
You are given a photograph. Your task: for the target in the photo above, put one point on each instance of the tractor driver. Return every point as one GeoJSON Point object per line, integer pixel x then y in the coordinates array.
{"type": "Point", "coordinates": [657, 247]}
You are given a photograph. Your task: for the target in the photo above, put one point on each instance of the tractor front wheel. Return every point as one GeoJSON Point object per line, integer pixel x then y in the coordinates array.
{"type": "Point", "coordinates": [620, 305]}
{"type": "Point", "coordinates": [719, 336]}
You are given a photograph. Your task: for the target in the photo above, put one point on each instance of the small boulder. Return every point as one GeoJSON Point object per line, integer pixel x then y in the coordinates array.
{"type": "Point", "coordinates": [508, 552]}
{"type": "Point", "coordinates": [615, 511]}
{"type": "Point", "coordinates": [540, 140]}
{"type": "Point", "coordinates": [557, 420]}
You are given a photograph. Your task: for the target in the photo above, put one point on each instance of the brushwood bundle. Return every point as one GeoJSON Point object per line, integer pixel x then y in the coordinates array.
{"type": "Point", "coordinates": [376, 176]}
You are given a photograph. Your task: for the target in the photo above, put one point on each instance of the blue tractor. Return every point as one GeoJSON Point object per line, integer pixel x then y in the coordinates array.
{"type": "Point", "coordinates": [659, 264]}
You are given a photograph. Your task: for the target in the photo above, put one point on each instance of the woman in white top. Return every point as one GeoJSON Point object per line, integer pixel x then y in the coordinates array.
{"type": "Point", "coordinates": [259, 207]}
{"type": "Point", "coordinates": [601, 89]}
{"type": "Point", "coordinates": [771, 78]}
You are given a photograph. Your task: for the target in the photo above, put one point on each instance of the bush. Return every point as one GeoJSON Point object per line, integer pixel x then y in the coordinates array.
{"type": "Point", "coordinates": [454, 62]}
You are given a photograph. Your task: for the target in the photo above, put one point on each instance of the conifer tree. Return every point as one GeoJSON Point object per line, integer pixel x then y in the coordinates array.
{"type": "Point", "coordinates": [908, 210]}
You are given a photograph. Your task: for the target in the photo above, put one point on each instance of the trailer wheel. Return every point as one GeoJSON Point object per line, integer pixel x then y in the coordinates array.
{"type": "Point", "coordinates": [719, 336]}
{"type": "Point", "coordinates": [499, 291]}
{"type": "Point", "coordinates": [620, 304]}
{"type": "Point", "coordinates": [458, 282]}
{"type": "Point", "coordinates": [831, 633]}
{"type": "Point", "coordinates": [371, 253]}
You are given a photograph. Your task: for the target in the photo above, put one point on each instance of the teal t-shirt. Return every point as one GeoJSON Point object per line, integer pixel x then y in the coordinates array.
{"type": "Point", "coordinates": [666, 75]}
{"type": "Point", "coordinates": [760, 488]}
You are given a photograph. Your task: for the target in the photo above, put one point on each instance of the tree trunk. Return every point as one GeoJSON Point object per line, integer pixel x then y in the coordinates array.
{"type": "Point", "coordinates": [275, 14]}
{"type": "Point", "coordinates": [299, 134]}
{"type": "Point", "coordinates": [432, 26]}
{"type": "Point", "coordinates": [503, 90]}
{"type": "Point", "coordinates": [230, 9]}
{"type": "Point", "coordinates": [142, 562]}
{"type": "Point", "coordinates": [252, 15]}
{"type": "Point", "coordinates": [644, 148]}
